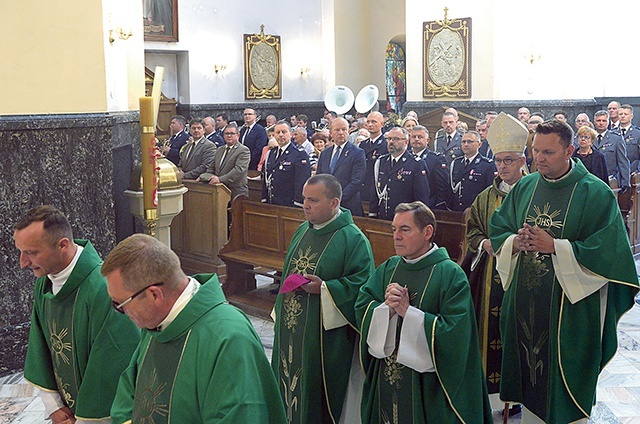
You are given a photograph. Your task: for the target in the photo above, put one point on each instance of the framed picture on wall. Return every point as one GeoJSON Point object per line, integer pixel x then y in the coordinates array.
{"type": "Point", "coordinates": [160, 20]}
{"type": "Point", "coordinates": [262, 66]}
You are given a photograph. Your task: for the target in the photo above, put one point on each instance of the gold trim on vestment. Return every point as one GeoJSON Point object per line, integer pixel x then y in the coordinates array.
{"type": "Point", "coordinates": [175, 377]}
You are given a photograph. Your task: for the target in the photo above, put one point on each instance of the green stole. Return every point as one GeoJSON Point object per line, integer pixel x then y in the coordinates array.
{"type": "Point", "coordinates": [399, 393]}
{"type": "Point", "coordinates": [60, 332]}
{"type": "Point", "coordinates": [537, 297]}
{"type": "Point", "coordinates": [298, 325]}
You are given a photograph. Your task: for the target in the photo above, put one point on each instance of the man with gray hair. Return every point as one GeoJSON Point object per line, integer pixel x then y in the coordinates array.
{"type": "Point", "coordinates": [470, 173]}
{"type": "Point", "coordinates": [199, 359]}
{"type": "Point", "coordinates": [610, 144]}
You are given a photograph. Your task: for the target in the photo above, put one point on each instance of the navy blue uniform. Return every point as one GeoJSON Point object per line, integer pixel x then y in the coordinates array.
{"type": "Point", "coordinates": [485, 150]}
{"type": "Point", "coordinates": [406, 181]}
{"type": "Point", "coordinates": [176, 143]}
{"type": "Point", "coordinates": [283, 179]}
{"type": "Point", "coordinates": [216, 138]}
{"type": "Point", "coordinates": [438, 177]}
{"type": "Point", "coordinates": [451, 151]}
{"type": "Point", "coordinates": [468, 181]}
{"type": "Point", "coordinates": [372, 151]}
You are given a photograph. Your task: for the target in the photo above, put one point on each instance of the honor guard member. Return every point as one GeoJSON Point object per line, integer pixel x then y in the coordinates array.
{"type": "Point", "coordinates": [373, 148]}
{"type": "Point", "coordinates": [437, 172]}
{"type": "Point", "coordinates": [631, 136]}
{"type": "Point", "coordinates": [610, 144]}
{"type": "Point", "coordinates": [449, 142]}
{"type": "Point", "coordinates": [286, 172]}
{"type": "Point", "coordinates": [471, 173]}
{"type": "Point", "coordinates": [399, 176]}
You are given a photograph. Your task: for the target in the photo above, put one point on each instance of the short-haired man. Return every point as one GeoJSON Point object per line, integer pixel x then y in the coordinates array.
{"type": "Point", "coordinates": [254, 136]}
{"type": "Point", "coordinates": [482, 128]}
{"type": "Point", "coordinates": [470, 173]}
{"type": "Point", "coordinates": [315, 325]}
{"type": "Point", "coordinates": [179, 137]}
{"type": "Point", "coordinates": [449, 143]}
{"type": "Point", "coordinates": [614, 120]}
{"type": "Point", "coordinates": [631, 136]}
{"type": "Point", "coordinates": [230, 164]}
{"type": "Point", "coordinates": [524, 114]}
{"type": "Point", "coordinates": [532, 124]}
{"type": "Point", "coordinates": [78, 345]}
{"type": "Point", "coordinates": [610, 144]}
{"type": "Point", "coordinates": [560, 116]}
{"type": "Point", "coordinates": [564, 260]}
{"type": "Point", "coordinates": [437, 172]}
{"type": "Point", "coordinates": [303, 120]}
{"type": "Point", "coordinates": [301, 141]}
{"type": "Point", "coordinates": [271, 121]}
{"type": "Point", "coordinates": [196, 156]}
{"type": "Point", "coordinates": [200, 359]}
{"type": "Point", "coordinates": [431, 371]}
{"type": "Point", "coordinates": [490, 116]}
{"type": "Point", "coordinates": [373, 148]}
{"type": "Point", "coordinates": [210, 131]}
{"type": "Point", "coordinates": [347, 163]}
{"type": "Point", "coordinates": [400, 177]}
{"type": "Point", "coordinates": [508, 137]}
{"type": "Point", "coordinates": [286, 170]}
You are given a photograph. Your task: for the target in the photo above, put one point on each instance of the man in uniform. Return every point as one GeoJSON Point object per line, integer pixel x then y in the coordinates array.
{"type": "Point", "coordinates": [610, 143]}
{"type": "Point", "coordinates": [437, 172]}
{"type": "Point", "coordinates": [399, 176]}
{"type": "Point", "coordinates": [78, 345]}
{"type": "Point", "coordinates": [524, 114]}
{"type": "Point", "coordinates": [470, 174]}
{"type": "Point", "coordinates": [449, 143]}
{"type": "Point", "coordinates": [286, 171]}
{"type": "Point", "coordinates": [482, 128]}
{"type": "Point", "coordinates": [508, 137]}
{"type": "Point", "coordinates": [347, 163]}
{"type": "Point", "coordinates": [200, 359]}
{"type": "Point", "coordinates": [210, 131]}
{"type": "Point", "coordinates": [315, 326]}
{"type": "Point", "coordinates": [564, 260]}
{"type": "Point", "coordinates": [613, 108]}
{"type": "Point", "coordinates": [373, 148]}
{"type": "Point", "coordinates": [196, 156]}
{"type": "Point", "coordinates": [631, 136]}
{"type": "Point", "coordinates": [423, 367]}
{"type": "Point", "coordinates": [179, 137]}
{"type": "Point", "coordinates": [254, 136]}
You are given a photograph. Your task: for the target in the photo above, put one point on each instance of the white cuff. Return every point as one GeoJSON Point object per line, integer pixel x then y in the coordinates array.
{"type": "Point", "coordinates": [331, 315]}
{"type": "Point", "coordinates": [576, 281]}
{"type": "Point", "coordinates": [506, 262]}
{"type": "Point", "coordinates": [413, 350]}
{"type": "Point", "coordinates": [382, 332]}
{"type": "Point", "coordinates": [52, 401]}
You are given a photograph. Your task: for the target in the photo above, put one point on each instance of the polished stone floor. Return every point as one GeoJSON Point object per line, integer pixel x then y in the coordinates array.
{"type": "Point", "coordinates": [618, 390]}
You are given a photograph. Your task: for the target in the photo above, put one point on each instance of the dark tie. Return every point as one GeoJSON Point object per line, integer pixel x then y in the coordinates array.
{"type": "Point", "coordinates": [599, 138]}
{"type": "Point", "coordinates": [448, 139]}
{"type": "Point", "coordinates": [187, 156]}
{"type": "Point", "coordinates": [624, 130]}
{"type": "Point", "coordinates": [466, 162]}
{"type": "Point", "coordinates": [247, 129]}
{"type": "Point", "coordinates": [278, 152]}
{"type": "Point", "coordinates": [334, 159]}
{"type": "Point", "coordinates": [224, 155]}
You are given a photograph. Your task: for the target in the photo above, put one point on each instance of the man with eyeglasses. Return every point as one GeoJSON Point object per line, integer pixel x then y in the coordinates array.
{"type": "Point", "coordinates": [200, 359]}
{"type": "Point", "coordinates": [508, 137]}
{"type": "Point", "coordinates": [230, 164]}
{"type": "Point", "coordinates": [254, 136]}
{"type": "Point", "coordinates": [470, 173]}
{"type": "Point", "coordinates": [399, 177]}
{"type": "Point", "coordinates": [78, 345]}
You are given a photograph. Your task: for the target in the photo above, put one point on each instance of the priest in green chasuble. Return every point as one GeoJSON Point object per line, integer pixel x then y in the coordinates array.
{"type": "Point", "coordinates": [200, 359]}
{"type": "Point", "coordinates": [78, 345]}
{"type": "Point", "coordinates": [315, 326]}
{"type": "Point", "coordinates": [564, 260]}
{"type": "Point", "coordinates": [419, 345]}
{"type": "Point", "coordinates": [508, 138]}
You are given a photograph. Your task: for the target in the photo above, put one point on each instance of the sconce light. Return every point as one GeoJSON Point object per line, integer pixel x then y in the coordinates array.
{"type": "Point", "coordinates": [219, 68]}
{"type": "Point", "coordinates": [120, 33]}
{"type": "Point", "coordinates": [304, 72]}
{"type": "Point", "coordinates": [532, 58]}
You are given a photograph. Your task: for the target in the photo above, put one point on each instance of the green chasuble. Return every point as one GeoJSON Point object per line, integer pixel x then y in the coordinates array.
{"type": "Point", "coordinates": [553, 349]}
{"type": "Point", "coordinates": [207, 366]}
{"type": "Point", "coordinates": [312, 364]}
{"type": "Point", "coordinates": [78, 344]}
{"type": "Point", "coordinates": [486, 287]}
{"type": "Point", "coordinates": [455, 391]}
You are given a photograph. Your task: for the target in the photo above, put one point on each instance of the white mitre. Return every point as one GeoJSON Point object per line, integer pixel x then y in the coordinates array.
{"type": "Point", "coordinates": [507, 134]}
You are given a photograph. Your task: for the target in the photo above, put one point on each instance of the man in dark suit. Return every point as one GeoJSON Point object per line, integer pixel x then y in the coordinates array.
{"type": "Point", "coordinates": [347, 163]}
{"type": "Point", "coordinates": [470, 173]}
{"type": "Point", "coordinates": [210, 131]}
{"type": "Point", "coordinates": [286, 170]}
{"type": "Point", "coordinates": [437, 172]}
{"type": "Point", "coordinates": [178, 139]}
{"type": "Point", "coordinates": [399, 177]}
{"type": "Point", "coordinates": [230, 164]}
{"type": "Point", "coordinates": [449, 142]}
{"type": "Point", "coordinates": [197, 154]}
{"type": "Point", "coordinates": [373, 148]}
{"type": "Point", "coordinates": [254, 136]}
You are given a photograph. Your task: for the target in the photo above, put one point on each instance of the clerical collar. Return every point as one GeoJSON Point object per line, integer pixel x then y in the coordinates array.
{"type": "Point", "coordinates": [324, 224]}
{"type": "Point", "coordinates": [434, 247]}
{"type": "Point", "coordinates": [58, 280]}
{"type": "Point", "coordinates": [189, 291]}
{"type": "Point", "coordinates": [504, 187]}
{"type": "Point", "coordinates": [563, 176]}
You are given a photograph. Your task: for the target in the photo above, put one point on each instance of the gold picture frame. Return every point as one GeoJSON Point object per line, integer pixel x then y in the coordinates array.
{"type": "Point", "coordinates": [446, 70]}
{"type": "Point", "coordinates": [262, 66]}
{"type": "Point", "coordinates": [160, 20]}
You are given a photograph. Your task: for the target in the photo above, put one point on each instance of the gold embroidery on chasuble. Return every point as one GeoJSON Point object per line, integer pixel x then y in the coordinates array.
{"type": "Point", "coordinates": [147, 401]}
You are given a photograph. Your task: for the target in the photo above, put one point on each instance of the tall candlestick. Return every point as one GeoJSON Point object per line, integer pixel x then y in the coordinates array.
{"type": "Point", "coordinates": [149, 159]}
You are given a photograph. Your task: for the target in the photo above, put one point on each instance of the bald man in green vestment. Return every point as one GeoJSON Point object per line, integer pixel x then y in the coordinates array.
{"type": "Point", "coordinates": [564, 260]}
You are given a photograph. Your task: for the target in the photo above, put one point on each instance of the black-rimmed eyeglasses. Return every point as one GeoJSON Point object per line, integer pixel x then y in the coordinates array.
{"type": "Point", "coordinates": [118, 307]}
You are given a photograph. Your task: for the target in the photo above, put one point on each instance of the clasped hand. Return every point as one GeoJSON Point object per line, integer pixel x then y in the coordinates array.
{"type": "Point", "coordinates": [397, 299]}
{"type": "Point", "coordinates": [533, 239]}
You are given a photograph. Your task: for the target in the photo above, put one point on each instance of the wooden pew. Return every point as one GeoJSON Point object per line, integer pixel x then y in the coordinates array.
{"type": "Point", "coordinates": [260, 236]}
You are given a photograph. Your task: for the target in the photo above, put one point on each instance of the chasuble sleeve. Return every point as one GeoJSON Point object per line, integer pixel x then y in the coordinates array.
{"type": "Point", "coordinates": [122, 407]}
{"type": "Point", "coordinates": [477, 222]}
{"type": "Point", "coordinates": [38, 368]}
